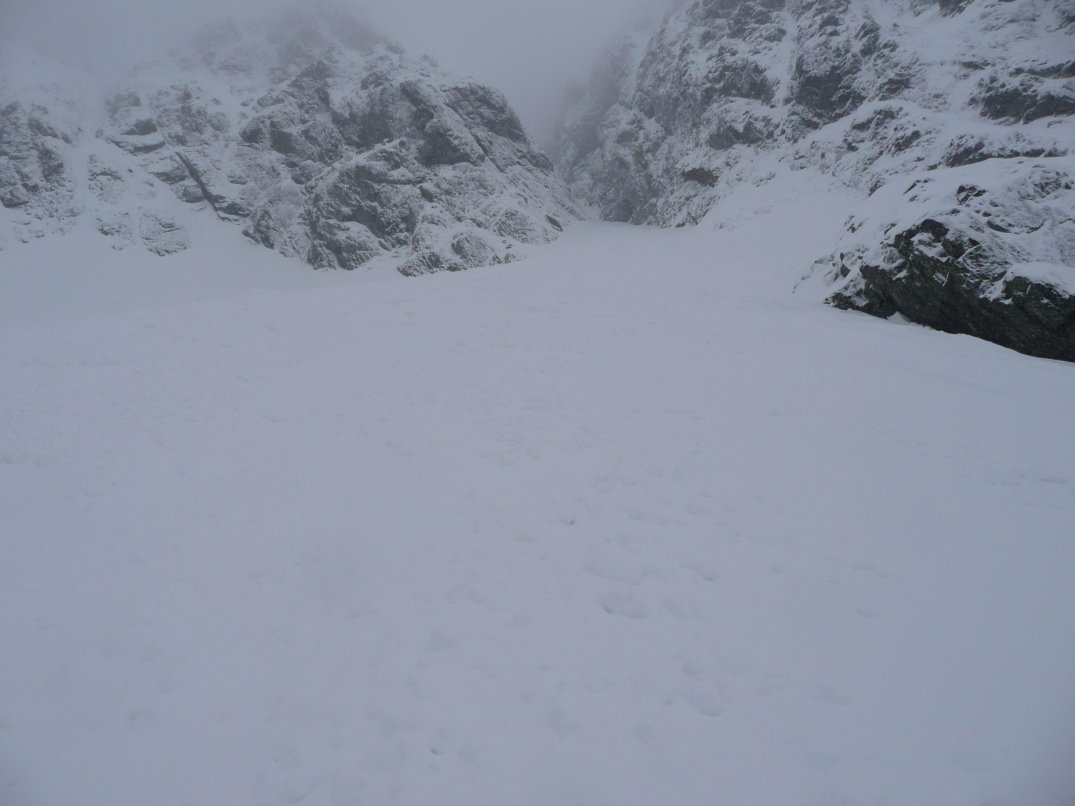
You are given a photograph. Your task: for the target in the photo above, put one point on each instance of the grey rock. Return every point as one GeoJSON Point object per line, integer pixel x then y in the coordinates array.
{"type": "Point", "coordinates": [37, 187]}
{"type": "Point", "coordinates": [971, 149]}
{"type": "Point", "coordinates": [317, 137]}
{"type": "Point", "coordinates": [1027, 98]}
{"type": "Point", "coordinates": [733, 75]}
{"type": "Point", "coordinates": [750, 76]}
{"type": "Point", "coordinates": [723, 92]}
{"type": "Point", "coordinates": [987, 250]}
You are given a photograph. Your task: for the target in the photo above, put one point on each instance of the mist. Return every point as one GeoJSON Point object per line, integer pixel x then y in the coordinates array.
{"type": "Point", "coordinates": [533, 52]}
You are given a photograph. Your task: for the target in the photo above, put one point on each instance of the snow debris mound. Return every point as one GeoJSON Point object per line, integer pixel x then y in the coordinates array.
{"type": "Point", "coordinates": [313, 134]}
{"type": "Point", "coordinates": [732, 92]}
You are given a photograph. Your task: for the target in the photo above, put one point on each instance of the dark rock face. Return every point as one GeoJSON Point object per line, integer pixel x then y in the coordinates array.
{"type": "Point", "coordinates": [1025, 100]}
{"type": "Point", "coordinates": [985, 250]}
{"type": "Point", "coordinates": [873, 97]}
{"type": "Point", "coordinates": [320, 140]}
{"type": "Point", "coordinates": [1017, 312]}
{"type": "Point", "coordinates": [829, 60]}
{"type": "Point", "coordinates": [970, 149]}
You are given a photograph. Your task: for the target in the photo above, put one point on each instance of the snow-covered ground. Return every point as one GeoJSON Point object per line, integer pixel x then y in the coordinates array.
{"type": "Point", "coordinates": [622, 523]}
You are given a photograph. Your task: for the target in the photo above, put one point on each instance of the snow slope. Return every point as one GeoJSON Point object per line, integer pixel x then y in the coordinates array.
{"type": "Point", "coordinates": [620, 523]}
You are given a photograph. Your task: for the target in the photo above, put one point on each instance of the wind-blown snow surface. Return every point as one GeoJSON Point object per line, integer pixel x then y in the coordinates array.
{"type": "Point", "coordinates": [621, 523]}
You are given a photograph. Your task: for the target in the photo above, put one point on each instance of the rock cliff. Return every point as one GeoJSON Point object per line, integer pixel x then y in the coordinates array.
{"type": "Point", "coordinates": [317, 137]}
{"type": "Point", "coordinates": [881, 97]}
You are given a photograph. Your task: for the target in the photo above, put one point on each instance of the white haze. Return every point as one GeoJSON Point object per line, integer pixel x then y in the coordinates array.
{"type": "Point", "coordinates": [531, 51]}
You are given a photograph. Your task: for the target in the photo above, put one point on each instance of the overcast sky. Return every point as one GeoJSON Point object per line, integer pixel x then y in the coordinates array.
{"type": "Point", "coordinates": [532, 50]}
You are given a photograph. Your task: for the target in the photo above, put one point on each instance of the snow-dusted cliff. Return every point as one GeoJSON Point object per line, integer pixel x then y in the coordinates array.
{"type": "Point", "coordinates": [873, 93]}
{"type": "Point", "coordinates": [316, 136]}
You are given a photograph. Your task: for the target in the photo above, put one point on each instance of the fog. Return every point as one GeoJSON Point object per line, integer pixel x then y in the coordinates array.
{"type": "Point", "coordinates": [533, 51]}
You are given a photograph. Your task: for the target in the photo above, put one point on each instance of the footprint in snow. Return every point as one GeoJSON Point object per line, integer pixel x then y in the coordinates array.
{"type": "Point", "coordinates": [682, 609]}
{"type": "Point", "coordinates": [703, 702]}
{"type": "Point", "coordinates": [872, 570]}
{"type": "Point", "coordinates": [823, 692]}
{"type": "Point", "coordinates": [971, 759]}
{"type": "Point", "coordinates": [613, 567]}
{"type": "Point", "coordinates": [624, 603]}
{"type": "Point", "coordinates": [561, 723]}
{"type": "Point", "coordinates": [705, 571]}
{"type": "Point", "coordinates": [140, 718]}
{"type": "Point", "coordinates": [692, 667]}
{"type": "Point", "coordinates": [440, 642]}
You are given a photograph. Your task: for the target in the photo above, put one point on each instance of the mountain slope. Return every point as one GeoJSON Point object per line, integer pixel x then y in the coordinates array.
{"type": "Point", "coordinates": [316, 136]}
{"type": "Point", "coordinates": [731, 92]}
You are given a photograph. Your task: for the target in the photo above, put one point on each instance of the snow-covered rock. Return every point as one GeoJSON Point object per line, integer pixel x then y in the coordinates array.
{"type": "Point", "coordinates": [727, 92]}
{"type": "Point", "coordinates": [37, 184]}
{"type": "Point", "coordinates": [985, 249]}
{"type": "Point", "coordinates": [319, 138]}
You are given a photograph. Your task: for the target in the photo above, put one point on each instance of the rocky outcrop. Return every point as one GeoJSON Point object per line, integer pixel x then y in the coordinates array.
{"type": "Point", "coordinates": [857, 86]}
{"type": "Point", "coordinates": [731, 91]}
{"type": "Point", "coordinates": [37, 182]}
{"type": "Point", "coordinates": [316, 137]}
{"type": "Point", "coordinates": [983, 250]}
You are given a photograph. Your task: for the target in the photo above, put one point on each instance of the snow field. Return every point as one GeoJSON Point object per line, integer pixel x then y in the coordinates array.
{"type": "Point", "coordinates": [622, 523]}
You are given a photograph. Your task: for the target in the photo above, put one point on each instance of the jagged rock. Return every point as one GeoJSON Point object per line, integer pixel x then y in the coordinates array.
{"type": "Point", "coordinates": [1028, 98]}
{"type": "Point", "coordinates": [37, 188]}
{"type": "Point", "coordinates": [161, 234]}
{"type": "Point", "coordinates": [986, 249]}
{"type": "Point", "coordinates": [824, 81]}
{"type": "Point", "coordinates": [724, 92]}
{"type": "Point", "coordinates": [969, 149]}
{"type": "Point", "coordinates": [720, 82]}
{"type": "Point", "coordinates": [719, 79]}
{"type": "Point", "coordinates": [319, 138]}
